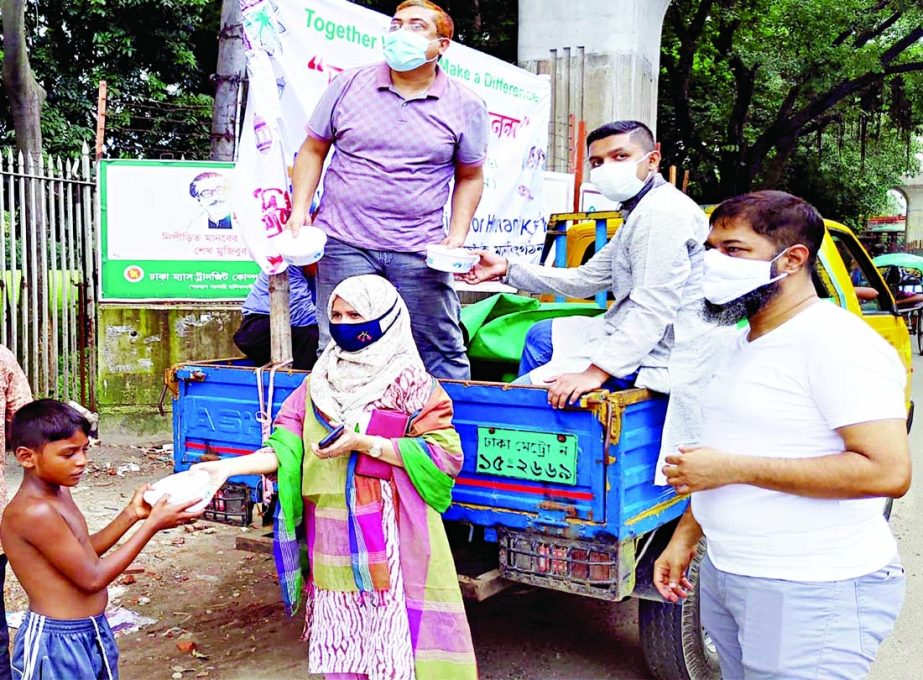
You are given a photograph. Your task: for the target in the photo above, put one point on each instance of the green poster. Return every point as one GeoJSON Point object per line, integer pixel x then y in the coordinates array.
{"type": "Point", "coordinates": [167, 233]}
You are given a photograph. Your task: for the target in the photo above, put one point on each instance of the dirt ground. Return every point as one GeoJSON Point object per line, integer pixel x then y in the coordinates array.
{"type": "Point", "coordinates": [201, 589]}
{"type": "Point", "coordinates": [195, 583]}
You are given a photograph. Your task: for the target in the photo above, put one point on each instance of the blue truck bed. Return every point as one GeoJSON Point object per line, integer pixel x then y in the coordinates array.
{"type": "Point", "coordinates": [583, 473]}
{"type": "Point", "coordinates": [612, 496]}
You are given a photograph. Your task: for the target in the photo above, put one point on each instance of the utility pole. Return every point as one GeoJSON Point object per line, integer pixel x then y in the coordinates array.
{"type": "Point", "coordinates": [229, 75]}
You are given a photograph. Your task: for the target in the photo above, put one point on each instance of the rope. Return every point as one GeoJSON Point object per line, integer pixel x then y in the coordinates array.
{"type": "Point", "coordinates": [264, 416]}
{"type": "Point", "coordinates": [646, 546]}
{"type": "Point", "coordinates": [102, 647]}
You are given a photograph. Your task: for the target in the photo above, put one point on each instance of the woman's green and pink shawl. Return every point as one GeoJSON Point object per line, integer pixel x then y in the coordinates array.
{"type": "Point", "coordinates": [314, 502]}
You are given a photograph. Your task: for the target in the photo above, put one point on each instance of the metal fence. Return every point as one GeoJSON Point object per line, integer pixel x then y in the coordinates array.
{"type": "Point", "coordinates": [48, 290]}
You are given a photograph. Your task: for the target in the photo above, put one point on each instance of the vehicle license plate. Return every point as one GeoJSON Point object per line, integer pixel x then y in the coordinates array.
{"type": "Point", "coordinates": [537, 456]}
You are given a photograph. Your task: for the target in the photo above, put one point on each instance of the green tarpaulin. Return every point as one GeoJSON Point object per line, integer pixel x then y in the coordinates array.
{"type": "Point", "coordinates": [496, 327]}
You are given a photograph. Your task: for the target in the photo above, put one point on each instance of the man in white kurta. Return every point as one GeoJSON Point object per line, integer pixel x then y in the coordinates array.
{"type": "Point", "coordinates": [653, 334]}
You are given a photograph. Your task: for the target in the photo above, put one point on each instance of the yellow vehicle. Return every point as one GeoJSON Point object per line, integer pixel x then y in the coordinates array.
{"type": "Point", "coordinates": [843, 266]}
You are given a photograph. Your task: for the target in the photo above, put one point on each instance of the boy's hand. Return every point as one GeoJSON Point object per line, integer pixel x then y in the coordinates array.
{"type": "Point", "coordinates": [137, 506]}
{"type": "Point", "coordinates": [166, 516]}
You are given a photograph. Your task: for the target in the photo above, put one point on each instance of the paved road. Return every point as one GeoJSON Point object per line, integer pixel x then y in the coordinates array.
{"type": "Point", "coordinates": [900, 656]}
{"type": "Point", "coordinates": [540, 634]}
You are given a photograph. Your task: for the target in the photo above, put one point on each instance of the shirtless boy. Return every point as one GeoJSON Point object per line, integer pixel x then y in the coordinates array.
{"type": "Point", "coordinates": [59, 564]}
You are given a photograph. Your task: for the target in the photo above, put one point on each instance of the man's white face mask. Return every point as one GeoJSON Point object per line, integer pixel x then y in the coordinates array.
{"type": "Point", "coordinates": [619, 181]}
{"type": "Point", "coordinates": [727, 278]}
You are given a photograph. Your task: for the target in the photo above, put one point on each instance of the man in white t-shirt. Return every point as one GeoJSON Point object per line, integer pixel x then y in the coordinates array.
{"type": "Point", "coordinates": [804, 436]}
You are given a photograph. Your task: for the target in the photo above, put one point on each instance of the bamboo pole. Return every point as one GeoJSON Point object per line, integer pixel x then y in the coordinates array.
{"type": "Point", "coordinates": [280, 324]}
{"type": "Point", "coordinates": [101, 118]}
{"type": "Point", "coordinates": [87, 201]}
{"type": "Point", "coordinates": [580, 159]}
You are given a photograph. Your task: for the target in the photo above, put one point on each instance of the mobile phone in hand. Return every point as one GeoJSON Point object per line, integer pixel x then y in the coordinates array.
{"type": "Point", "coordinates": [332, 437]}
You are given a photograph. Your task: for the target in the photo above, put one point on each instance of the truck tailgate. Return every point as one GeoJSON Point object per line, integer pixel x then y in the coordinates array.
{"type": "Point", "coordinates": [523, 456]}
{"type": "Point", "coordinates": [215, 413]}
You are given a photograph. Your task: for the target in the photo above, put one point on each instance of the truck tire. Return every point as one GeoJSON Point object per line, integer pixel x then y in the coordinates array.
{"type": "Point", "coordinates": [675, 646]}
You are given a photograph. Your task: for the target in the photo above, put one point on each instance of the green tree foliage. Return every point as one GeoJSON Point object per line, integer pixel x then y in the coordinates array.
{"type": "Point", "coordinates": [821, 98]}
{"type": "Point", "coordinates": [486, 25]}
{"type": "Point", "coordinates": [156, 56]}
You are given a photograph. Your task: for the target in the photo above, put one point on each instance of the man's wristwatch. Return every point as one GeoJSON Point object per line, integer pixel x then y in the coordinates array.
{"type": "Point", "coordinates": [375, 449]}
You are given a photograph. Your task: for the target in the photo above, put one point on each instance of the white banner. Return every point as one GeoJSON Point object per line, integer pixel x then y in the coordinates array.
{"type": "Point", "coordinates": [298, 46]}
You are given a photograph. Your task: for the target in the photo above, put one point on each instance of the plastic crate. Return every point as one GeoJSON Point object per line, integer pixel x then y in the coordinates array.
{"type": "Point", "coordinates": [231, 505]}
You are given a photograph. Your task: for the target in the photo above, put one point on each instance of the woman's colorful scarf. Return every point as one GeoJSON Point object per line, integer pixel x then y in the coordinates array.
{"type": "Point", "coordinates": [313, 511]}
{"type": "Point", "coordinates": [432, 457]}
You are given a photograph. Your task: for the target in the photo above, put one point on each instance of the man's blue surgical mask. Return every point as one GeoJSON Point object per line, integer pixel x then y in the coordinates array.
{"type": "Point", "coordinates": [405, 51]}
{"type": "Point", "coordinates": [352, 337]}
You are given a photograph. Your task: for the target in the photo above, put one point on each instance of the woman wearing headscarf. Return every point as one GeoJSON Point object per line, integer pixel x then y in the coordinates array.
{"type": "Point", "coordinates": [382, 597]}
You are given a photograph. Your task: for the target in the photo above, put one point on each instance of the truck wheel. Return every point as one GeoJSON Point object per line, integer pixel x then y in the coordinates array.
{"type": "Point", "coordinates": [674, 644]}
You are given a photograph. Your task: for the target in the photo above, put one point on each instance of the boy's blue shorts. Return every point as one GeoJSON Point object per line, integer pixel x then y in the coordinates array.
{"type": "Point", "coordinates": [59, 649]}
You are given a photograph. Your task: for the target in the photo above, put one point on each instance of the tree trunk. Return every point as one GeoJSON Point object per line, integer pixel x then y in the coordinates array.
{"type": "Point", "coordinates": [232, 64]}
{"type": "Point", "coordinates": [25, 95]}
{"type": "Point", "coordinates": [737, 174]}
{"type": "Point", "coordinates": [476, 22]}
{"type": "Point", "coordinates": [772, 169]}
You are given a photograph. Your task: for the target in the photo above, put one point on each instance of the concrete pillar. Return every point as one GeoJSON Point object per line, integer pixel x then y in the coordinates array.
{"type": "Point", "coordinates": [913, 191]}
{"type": "Point", "coordinates": [603, 57]}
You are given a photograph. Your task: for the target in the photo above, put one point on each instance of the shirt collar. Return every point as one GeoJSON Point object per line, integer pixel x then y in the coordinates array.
{"type": "Point", "coordinates": [654, 181]}
{"type": "Point", "coordinates": [383, 76]}
{"type": "Point", "coordinates": [437, 89]}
